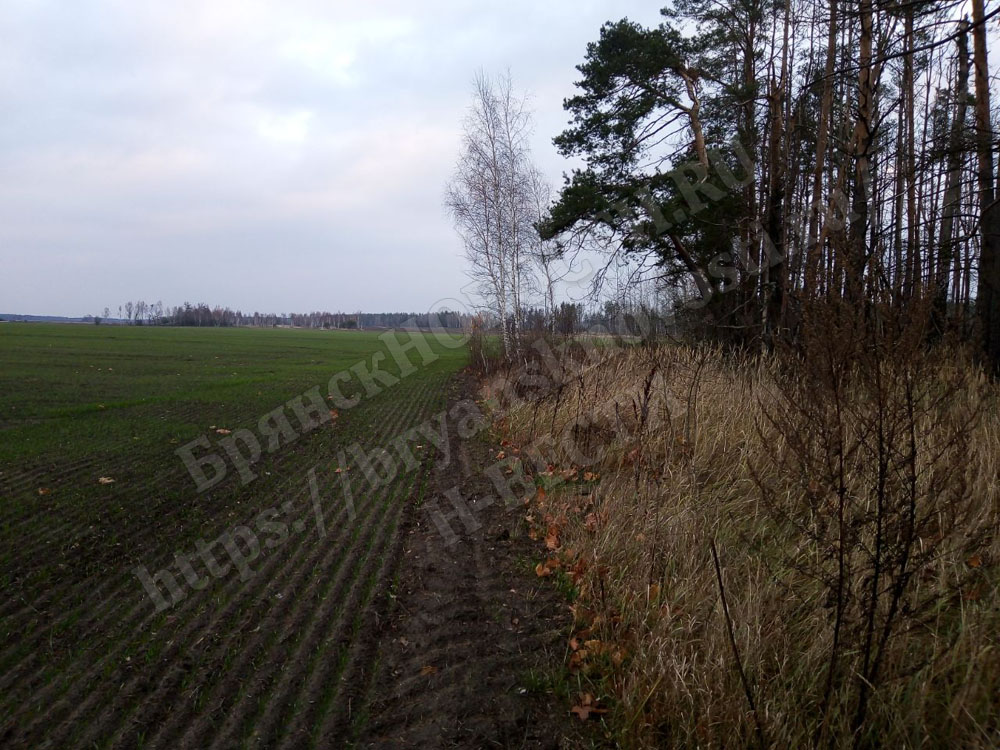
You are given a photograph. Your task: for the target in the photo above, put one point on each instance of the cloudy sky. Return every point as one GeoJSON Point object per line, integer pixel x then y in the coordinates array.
{"type": "Point", "coordinates": [279, 156]}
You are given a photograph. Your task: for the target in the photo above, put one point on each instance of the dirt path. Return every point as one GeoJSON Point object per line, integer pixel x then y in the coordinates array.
{"type": "Point", "coordinates": [470, 625]}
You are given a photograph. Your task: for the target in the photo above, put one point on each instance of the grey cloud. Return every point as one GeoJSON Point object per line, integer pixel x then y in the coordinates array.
{"type": "Point", "coordinates": [270, 156]}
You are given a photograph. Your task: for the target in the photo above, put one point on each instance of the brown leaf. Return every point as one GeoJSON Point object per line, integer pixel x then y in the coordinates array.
{"type": "Point", "coordinates": [542, 571]}
{"type": "Point", "coordinates": [44, 490]}
{"type": "Point", "coordinates": [582, 711]}
{"type": "Point", "coordinates": [975, 561]}
{"type": "Point", "coordinates": [587, 706]}
{"type": "Point", "coordinates": [428, 670]}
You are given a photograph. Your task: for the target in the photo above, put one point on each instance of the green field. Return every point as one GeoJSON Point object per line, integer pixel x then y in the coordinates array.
{"type": "Point", "coordinates": [86, 657]}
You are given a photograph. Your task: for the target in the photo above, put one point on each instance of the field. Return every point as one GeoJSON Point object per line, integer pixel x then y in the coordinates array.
{"type": "Point", "coordinates": [254, 634]}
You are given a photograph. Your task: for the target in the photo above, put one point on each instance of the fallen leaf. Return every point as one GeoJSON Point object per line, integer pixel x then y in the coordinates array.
{"type": "Point", "coordinates": [586, 707]}
{"type": "Point", "coordinates": [975, 561]}
{"type": "Point", "coordinates": [106, 480]}
{"type": "Point", "coordinates": [552, 541]}
{"type": "Point", "coordinates": [427, 670]}
{"type": "Point", "coordinates": [44, 490]}
{"type": "Point", "coordinates": [542, 571]}
{"type": "Point", "coordinates": [223, 431]}
{"type": "Point", "coordinates": [590, 523]}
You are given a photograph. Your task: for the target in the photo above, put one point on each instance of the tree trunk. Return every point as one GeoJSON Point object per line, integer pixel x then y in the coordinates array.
{"type": "Point", "coordinates": [953, 184]}
{"type": "Point", "coordinates": [857, 239]}
{"type": "Point", "coordinates": [912, 267]}
{"type": "Point", "coordinates": [988, 294]}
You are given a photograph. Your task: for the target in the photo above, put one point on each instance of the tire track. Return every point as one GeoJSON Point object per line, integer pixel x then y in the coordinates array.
{"type": "Point", "coordinates": [452, 659]}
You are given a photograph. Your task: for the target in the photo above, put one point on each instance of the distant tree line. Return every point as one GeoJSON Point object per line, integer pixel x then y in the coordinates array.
{"type": "Point", "coordinates": [203, 315]}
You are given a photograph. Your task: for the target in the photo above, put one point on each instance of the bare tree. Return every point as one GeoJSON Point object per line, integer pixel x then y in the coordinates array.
{"type": "Point", "coordinates": [492, 199]}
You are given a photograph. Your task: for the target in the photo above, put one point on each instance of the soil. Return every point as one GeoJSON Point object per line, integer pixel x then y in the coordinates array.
{"type": "Point", "coordinates": [471, 623]}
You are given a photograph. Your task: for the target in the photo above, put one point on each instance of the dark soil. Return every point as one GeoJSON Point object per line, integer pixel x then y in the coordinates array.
{"type": "Point", "coordinates": [470, 626]}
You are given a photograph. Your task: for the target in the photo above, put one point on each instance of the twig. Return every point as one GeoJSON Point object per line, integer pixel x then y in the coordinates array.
{"type": "Point", "coordinates": [736, 650]}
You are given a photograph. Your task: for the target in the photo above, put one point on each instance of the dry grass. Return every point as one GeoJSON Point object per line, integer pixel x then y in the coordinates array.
{"type": "Point", "coordinates": [818, 557]}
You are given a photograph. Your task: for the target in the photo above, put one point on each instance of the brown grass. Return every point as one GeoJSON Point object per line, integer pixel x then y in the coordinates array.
{"type": "Point", "coordinates": [852, 499]}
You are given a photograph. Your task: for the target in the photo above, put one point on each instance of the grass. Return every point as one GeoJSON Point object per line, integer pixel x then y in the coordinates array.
{"type": "Point", "coordinates": [78, 403]}
{"type": "Point", "coordinates": [703, 448]}
{"type": "Point", "coordinates": [74, 391]}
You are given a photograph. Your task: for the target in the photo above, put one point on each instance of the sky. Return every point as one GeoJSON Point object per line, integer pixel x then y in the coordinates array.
{"type": "Point", "coordinates": [272, 156]}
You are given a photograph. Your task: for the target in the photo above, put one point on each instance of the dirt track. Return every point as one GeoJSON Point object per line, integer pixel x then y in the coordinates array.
{"type": "Point", "coordinates": [470, 623]}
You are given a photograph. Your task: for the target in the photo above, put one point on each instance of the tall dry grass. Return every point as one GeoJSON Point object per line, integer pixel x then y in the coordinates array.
{"type": "Point", "coordinates": [792, 550]}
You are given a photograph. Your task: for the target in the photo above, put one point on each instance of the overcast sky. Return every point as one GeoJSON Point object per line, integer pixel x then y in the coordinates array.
{"type": "Point", "coordinates": [273, 156]}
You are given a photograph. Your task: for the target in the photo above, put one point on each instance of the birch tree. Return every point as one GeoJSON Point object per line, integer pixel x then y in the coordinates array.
{"type": "Point", "coordinates": [493, 200]}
